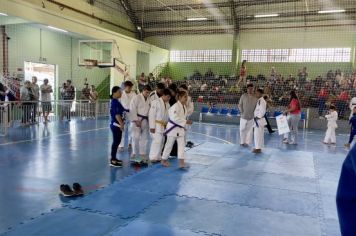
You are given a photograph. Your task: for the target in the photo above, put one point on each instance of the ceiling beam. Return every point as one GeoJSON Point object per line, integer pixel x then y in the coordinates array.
{"type": "Point", "coordinates": [200, 6]}
{"type": "Point", "coordinates": [242, 19]}
{"type": "Point", "coordinates": [134, 19]}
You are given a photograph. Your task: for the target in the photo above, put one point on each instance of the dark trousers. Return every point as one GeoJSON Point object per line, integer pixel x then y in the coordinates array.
{"type": "Point", "coordinates": [341, 107]}
{"type": "Point", "coordinates": [322, 106]}
{"type": "Point", "coordinates": [352, 134]}
{"type": "Point", "coordinates": [34, 111]}
{"type": "Point", "coordinates": [346, 195]}
{"type": "Point", "coordinates": [116, 134]}
{"type": "Point", "coordinates": [269, 127]}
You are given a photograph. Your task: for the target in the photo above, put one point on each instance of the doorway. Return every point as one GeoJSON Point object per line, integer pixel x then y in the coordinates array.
{"type": "Point", "coordinates": [41, 71]}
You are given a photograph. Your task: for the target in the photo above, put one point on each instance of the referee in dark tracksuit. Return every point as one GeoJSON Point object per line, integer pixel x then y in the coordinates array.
{"type": "Point", "coordinates": [346, 195]}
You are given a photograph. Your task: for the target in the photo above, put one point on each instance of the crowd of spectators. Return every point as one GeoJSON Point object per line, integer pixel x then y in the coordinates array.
{"type": "Point", "coordinates": [335, 87]}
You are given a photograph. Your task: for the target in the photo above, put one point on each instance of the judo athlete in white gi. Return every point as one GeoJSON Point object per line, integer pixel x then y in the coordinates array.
{"type": "Point", "coordinates": [190, 110]}
{"type": "Point", "coordinates": [158, 92]}
{"type": "Point", "coordinates": [158, 119]}
{"type": "Point", "coordinates": [247, 106]}
{"type": "Point", "coordinates": [176, 129]}
{"type": "Point", "coordinates": [259, 121]}
{"type": "Point", "coordinates": [330, 136]}
{"type": "Point", "coordinates": [126, 98]}
{"type": "Point", "coordinates": [139, 108]}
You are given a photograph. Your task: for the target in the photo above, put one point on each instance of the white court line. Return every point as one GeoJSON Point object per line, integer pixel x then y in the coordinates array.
{"type": "Point", "coordinates": [223, 140]}
{"type": "Point", "coordinates": [48, 137]}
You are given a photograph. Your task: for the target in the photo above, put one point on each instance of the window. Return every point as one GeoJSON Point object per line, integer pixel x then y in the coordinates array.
{"type": "Point", "coordinates": [298, 55]}
{"type": "Point", "coordinates": [201, 56]}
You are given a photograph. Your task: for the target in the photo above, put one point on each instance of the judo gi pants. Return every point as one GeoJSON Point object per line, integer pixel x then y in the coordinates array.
{"type": "Point", "coordinates": [246, 131]}
{"type": "Point", "coordinates": [346, 195]}
{"type": "Point", "coordinates": [169, 145]}
{"type": "Point", "coordinates": [156, 146]}
{"type": "Point", "coordinates": [330, 136]}
{"type": "Point", "coordinates": [139, 138]}
{"type": "Point", "coordinates": [259, 137]}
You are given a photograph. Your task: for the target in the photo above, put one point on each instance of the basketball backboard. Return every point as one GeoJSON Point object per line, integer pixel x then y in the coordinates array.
{"type": "Point", "coordinates": [96, 50]}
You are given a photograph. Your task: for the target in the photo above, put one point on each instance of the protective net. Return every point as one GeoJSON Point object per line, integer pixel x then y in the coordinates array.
{"type": "Point", "coordinates": [216, 47]}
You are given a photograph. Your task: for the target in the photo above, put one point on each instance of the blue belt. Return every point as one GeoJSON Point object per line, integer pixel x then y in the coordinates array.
{"type": "Point", "coordinates": [143, 117]}
{"type": "Point", "coordinates": [175, 125]}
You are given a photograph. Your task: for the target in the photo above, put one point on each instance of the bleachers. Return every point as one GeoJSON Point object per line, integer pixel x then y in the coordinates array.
{"type": "Point", "coordinates": [235, 112]}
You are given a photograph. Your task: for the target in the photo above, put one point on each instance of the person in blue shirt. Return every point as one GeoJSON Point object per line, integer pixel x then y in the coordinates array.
{"type": "Point", "coordinates": [353, 127]}
{"type": "Point", "coordinates": [116, 124]}
{"type": "Point", "coordinates": [346, 195]}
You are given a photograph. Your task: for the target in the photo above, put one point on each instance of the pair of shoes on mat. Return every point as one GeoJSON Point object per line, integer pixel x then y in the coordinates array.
{"type": "Point", "coordinates": [67, 191]}
{"type": "Point", "coordinates": [116, 163]}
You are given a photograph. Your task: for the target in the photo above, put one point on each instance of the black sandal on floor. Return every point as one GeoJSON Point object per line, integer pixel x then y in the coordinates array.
{"type": "Point", "coordinates": [78, 190]}
{"type": "Point", "coordinates": [66, 191]}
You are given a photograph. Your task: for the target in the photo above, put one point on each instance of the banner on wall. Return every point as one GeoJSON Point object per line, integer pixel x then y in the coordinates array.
{"type": "Point", "coordinates": [282, 124]}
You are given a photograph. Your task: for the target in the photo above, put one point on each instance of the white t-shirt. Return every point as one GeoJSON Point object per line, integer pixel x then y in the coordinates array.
{"type": "Point", "coordinates": [46, 96]}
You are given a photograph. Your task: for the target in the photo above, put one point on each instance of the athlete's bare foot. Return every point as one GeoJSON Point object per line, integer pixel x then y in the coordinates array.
{"type": "Point", "coordinates": [165, 163]}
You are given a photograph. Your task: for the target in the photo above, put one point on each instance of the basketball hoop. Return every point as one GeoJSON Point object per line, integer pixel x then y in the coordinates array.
{"type": "Point", "coordinates": [89, 63]}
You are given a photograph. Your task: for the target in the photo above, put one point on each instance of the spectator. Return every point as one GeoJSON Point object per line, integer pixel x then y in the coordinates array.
{"type": "Point", "coordinates": [342, 102]}
{"type": "Point", "coordinates": [322, 98]}
{"type": "Point", "coordinates": [294, 115]}
{"type": "Point", "coordinates": [243, 73]}
{"type": "Point", "coordinates": [303, 75]}
{"type": "Point", "coordinates": [68, 95]}
{"type": "Point", "coordinates": [46, 91]}
{"type": "Point", "coordinates": [142, 82]}
{"type": "Point", "coordinates": [94, 98]}
{"type": "Point", "coordinates": [209, 74]}
{"type": "Point", "coordinates": [25, 97]}
{"type": "Point", "coordinates": [35, 95]}
{"type": "Point", "coordinates": [85, 94]}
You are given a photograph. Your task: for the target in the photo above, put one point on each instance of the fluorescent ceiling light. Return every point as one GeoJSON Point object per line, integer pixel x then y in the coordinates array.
{"type": "Point", "coordinates": [331, 11]}
{"type": "Point", "coordinates": [197, 19]}
{"type": "Point", "coordinates": [267, 15]}
{"type": "Point", "coordinates": [57, 29]}
{"type": "Point", "coordinates": [3, 14]}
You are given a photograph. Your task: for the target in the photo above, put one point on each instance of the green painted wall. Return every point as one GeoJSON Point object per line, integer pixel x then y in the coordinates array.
{"type": "Point", "coordinates": [314, 69]}
{"type": "Point", "coordinates": [180, 70]}
{"type": "Point", "coordinates": [268, 39]}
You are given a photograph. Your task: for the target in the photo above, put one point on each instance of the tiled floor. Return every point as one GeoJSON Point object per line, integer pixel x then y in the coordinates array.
{"type": "Point", "coordinates": [287, 190]}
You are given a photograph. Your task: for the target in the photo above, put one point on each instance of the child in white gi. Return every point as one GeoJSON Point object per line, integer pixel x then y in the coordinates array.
{"type": "Point", "coordinates": [330, 136]}
{"type": "Point", "coordinates": [139, 108]}
{"type": "Point", "coordinates": [176, 129]}
{"type": "Point", "coordinates": [190, 110]}
{"type": "Point", "coordinates": [259, 121]}
{"type": "Point", "coordinates": [126, 98]}
{"type": "Point", "coordinates": [158, 119]}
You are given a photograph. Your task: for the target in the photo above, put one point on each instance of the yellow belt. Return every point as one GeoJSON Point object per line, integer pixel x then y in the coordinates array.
{"type": "Point", "coordinates": [161, 122]}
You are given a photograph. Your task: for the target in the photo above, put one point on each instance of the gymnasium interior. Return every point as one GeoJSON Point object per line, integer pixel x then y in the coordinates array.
{"type": "Point", "coordinates": [214, 47]}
